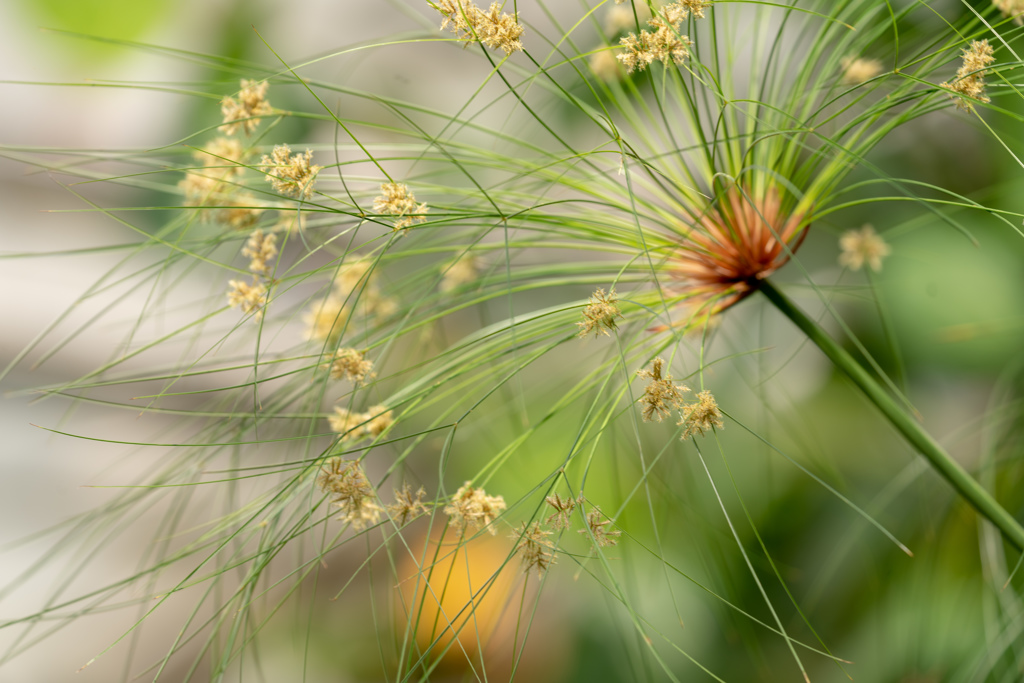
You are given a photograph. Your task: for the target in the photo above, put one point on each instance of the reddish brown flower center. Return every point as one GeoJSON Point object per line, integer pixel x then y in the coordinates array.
{"type": "Point", "coordinates": [735, 244]}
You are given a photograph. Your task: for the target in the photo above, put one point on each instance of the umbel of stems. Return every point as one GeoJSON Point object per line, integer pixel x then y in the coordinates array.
{"type": "Point", "coordinates": [905, 424]}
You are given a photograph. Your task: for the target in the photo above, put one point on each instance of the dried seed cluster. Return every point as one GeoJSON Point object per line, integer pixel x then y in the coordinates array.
{"type": "Point", "coordinates": [396, 200]}
{"type": "Point", "coordinates": [346, 482]}
{"type": "Point", "coordinates": [694, 7]}
{"type": "Point", "coordinates": [970, 77]}
{"type": "Point", "coordinates": [222, 158]}
{"type": "Point", "coordinates": [701, 416]}
{"type": "Point", "coordinates": [563, 508]}
{"type": "Point", "coordinates": [352, 492]}
{"type": "Point", "coordinates": [217, 185]}
{"type": "Point", "coordinates": [472, 508]}
{"type": "Point", "coordinates": [291, 175]}
{"type": "Point", "coordinates": [352, 365]}
{"type": "Point", "coordinates": [250, 297]}
{"type": "Point", "coordinates": [407, 506]}
{"type": "Point", "coordinates": [245, 112]}
{"type": "Point", "coordinates": [600, 314]}
{"type": "Point", "coordinates": [661, 396]}
{"type": "Point", "coordinates": [326, 319]}
{"type": "Point", "coordinates": [535, 550]}
{"type": "Point", "coordinates": [605, 66]}
{"type": "Point", "coordinates": [353, 425]}
{"type": "Point", "coordinates": [596, 523]}
{"type": "Point", "coordinates": [472, 24]}
{"type": "Point", "coordinates": [261, 250]}
{"type": "Point", "coordinates": [202, 189]}
{"type": "Point", "coordinates": [665, 43]}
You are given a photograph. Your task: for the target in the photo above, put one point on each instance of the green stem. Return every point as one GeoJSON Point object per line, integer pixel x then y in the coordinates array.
{"type": "Point", "coordinates": [949, 468]}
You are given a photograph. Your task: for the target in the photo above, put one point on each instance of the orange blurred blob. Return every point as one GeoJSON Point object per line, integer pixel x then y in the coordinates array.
{"type": "Point", "coordinates": [460, 600]}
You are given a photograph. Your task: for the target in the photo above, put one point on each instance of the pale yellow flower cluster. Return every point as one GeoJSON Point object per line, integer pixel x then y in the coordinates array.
{"type": "Point", "coordinates": [346, 482]}
{"type": "Point", "coordinates": [290, 221]}
{"type": "Point", "coordinates": [537, 551]}
{"type": "Point", "coordinates": [1011, 9]}
{"type": "Point", "coordinates": [396, 200]}
{"type": "Point", "coordinates": [351, 364]}
{"type": "Point", "coordinates": [217, 185]}
{"type": "Point", "coordinates": [694, 7]}
{"type": "Point", "coordinates": [460, 272]}
{"type": "Point", "coordinates": [606, 66]}
{"type": "Point", "coordinates": [378, 419]}
{"type": "Point", "coordinates": [620, 19]}
{"type": "Point", "coordinates": [291, 175]}
{"type": "Point", "coordinates": [244, 213]}
{"type": "Point", "coordinates": [358, 278]}
{"type": "Point", "coordinates": [666, 42]}
{"type": "Point", "coordinates": [862, 246]}
{"type": "Point", "coordinates": [599, 315]}
{"type": "Point", "coordinates": [249, 296]}
{"type": "Point", "coordinates": [201, 189]}
{"type": "Point", "coordinates": [352, 492]}
{"type": "Point", "coordinates": [472, 24]}
{"type": "Point", "coordinates": [970, 77]}
{"type": "Point", "coordinates": [261, 250]}
{"type": "Point", "coordinates": [472, 508]}
{"type": "Point", "coordinates": [222, 158]}
{"type": "Point", "coordinates": [353, 425]}
{"type": "Point", "coordinates": [856, 71]}
{"type": "Point", "coordinates": [326, 319]}
{"type": "Point", "coordinates": [245, 112]}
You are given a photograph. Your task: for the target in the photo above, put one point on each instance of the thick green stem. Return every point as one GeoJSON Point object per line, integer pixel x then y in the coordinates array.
{"type": "Point", "coordinates": [949, 468]}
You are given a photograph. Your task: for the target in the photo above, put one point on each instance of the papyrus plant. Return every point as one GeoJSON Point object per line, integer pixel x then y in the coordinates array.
{"type": "Point", "coordinates": [428, 325]}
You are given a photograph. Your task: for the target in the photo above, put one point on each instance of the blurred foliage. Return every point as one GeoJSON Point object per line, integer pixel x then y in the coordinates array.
{"type": "Point", "coordinates": [121, 19]}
